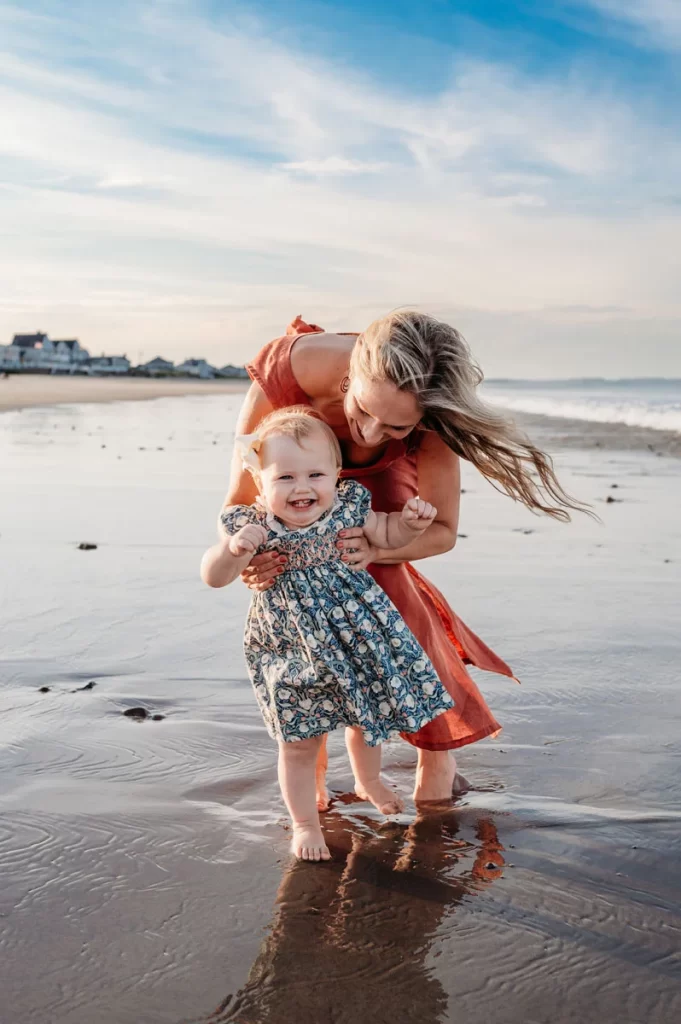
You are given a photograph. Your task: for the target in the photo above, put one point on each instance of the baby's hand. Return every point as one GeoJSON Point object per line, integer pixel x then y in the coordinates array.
{"type": "Point", "coordinates": [418, 514]}
{"type": "Point", "coordinates": [247, 540]}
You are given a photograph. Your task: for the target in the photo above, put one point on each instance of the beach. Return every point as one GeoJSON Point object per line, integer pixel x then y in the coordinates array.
{"type": "Point", "coordinates": [146, 875]}
{"type": "Point", "coordinates": [24, 390]}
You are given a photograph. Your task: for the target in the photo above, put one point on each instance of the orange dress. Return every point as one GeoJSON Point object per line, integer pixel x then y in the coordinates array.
{"type": "Point", "coordinates": [449, 643]}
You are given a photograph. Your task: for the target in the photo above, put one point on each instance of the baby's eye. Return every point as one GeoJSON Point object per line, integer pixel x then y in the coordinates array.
{"type": "Point", "coordinates": [285, 476]}
{"type": "Point", "coordinates": [317, 474]}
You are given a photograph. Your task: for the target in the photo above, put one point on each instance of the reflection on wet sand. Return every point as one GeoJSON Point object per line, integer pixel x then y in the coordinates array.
{"type": "Point", "coordinates": [350, 939]}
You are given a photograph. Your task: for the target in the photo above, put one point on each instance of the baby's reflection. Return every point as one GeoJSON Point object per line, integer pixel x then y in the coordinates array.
{"type": "Point", "coordinates": [350, 937]}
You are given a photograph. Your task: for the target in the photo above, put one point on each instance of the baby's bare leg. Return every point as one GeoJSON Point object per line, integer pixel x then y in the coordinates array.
{"type": "Point", "coordinates": [366, 765]}
{"type": "Point", "coordinates": [297, 780]}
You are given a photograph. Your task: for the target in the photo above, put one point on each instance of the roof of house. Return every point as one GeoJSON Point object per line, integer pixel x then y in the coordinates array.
{"type": "Point", "coordinates": [65, 341]}
{"type": "Point", "coordinates": [158, 359]}
{"type": "Point", "coordinates": [28, 340]}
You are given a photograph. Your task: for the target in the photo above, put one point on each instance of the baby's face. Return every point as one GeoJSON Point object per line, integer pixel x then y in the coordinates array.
{"type": "Point", "coordinates": [298, 482]}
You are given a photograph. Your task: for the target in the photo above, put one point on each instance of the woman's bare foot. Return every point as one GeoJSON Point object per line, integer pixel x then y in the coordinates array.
{"type": "Point", "coordinates": [435, 775]}
{"type": "Point", "coordinates": [381, 796]}
{"type": "Point", "coordinates": [323, 798]}
{"type": "Point", "coordinates": [308, 843]}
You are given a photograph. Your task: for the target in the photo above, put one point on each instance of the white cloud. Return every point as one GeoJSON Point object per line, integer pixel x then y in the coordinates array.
{"type": "Point", "coordinates": [658, 20]}
{"type": "Point", "coordinates": [212, 183]}
{"type": "Point", "coordinates": [333, 165]}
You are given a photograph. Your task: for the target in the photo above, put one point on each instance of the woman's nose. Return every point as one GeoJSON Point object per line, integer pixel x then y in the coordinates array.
{"type": "Point", "coordinates": [373, 432]}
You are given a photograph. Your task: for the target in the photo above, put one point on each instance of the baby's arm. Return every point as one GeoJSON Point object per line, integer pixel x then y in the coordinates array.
{"type": "Point", "coordinates": [396, 529]}
{"type": "Point", "coordinates": [227, 559]}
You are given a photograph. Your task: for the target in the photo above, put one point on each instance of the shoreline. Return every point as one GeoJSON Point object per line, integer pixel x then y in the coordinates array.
{"type": "Point", "coordinates": [588, 435]}
{"type": "Point", "coordinates": [21, 391]}
{"type": "Point", "coordinates": [33, 390]}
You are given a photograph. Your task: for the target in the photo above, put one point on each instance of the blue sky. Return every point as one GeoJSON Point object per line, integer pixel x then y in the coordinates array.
{"type": "Point", "coordinates": [182, 178]}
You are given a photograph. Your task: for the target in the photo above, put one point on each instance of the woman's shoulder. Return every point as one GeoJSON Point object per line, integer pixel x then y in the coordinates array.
{"type": "Point", "coordinates": [320, 361]}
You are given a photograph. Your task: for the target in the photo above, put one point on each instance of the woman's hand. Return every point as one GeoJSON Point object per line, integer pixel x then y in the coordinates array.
{"type": "Point", "coordinates": [357, 551]}
{"type": "Point", "coordinates": [261, 572]}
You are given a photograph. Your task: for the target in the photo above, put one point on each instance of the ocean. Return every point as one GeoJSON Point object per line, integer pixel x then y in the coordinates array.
{"type": "Point", "coordinates": [652, 403]}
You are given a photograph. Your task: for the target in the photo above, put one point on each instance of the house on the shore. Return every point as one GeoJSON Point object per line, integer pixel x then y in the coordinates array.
{"type": "Point", "coordinates": [197, 368]}
{"type": "Point", "coordinates": [157, 367]}
{"type": "Point", "coordinates": [233, 371]}
{"type": "Point", "coordinates": [40, 353]}
{"type": "Point", "coordinates": [101, 365]}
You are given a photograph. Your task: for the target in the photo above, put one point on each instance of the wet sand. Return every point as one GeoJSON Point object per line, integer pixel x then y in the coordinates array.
{"type": "Point", "coordinates": [21, 391]}
{"type": "Point", "coordinates": [145, 871]}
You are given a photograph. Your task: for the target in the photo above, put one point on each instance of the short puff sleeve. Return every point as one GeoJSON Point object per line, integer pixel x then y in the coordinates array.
{"type": "Point", "coordinates": [237, 516]}
{"type": "Point", "coordinates": [355, 503]}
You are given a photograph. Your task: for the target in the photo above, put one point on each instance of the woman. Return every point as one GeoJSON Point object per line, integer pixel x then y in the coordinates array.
{"type": "Point", "coordinates": [401, 399]}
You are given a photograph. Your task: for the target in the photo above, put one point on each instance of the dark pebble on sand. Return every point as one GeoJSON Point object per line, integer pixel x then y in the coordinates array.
{"type": "Point", "coordinates": [614, 486]}
{"type": "Point", "coordinates": [610, 500]}
{"type": "Point", "coordinates": [160, 449]}
{"type": "Point", "coordinates": [463, 536]}
{"type": "Point", "coordinates": [88, 686]}
{"type": "Point", "coordinates": [157, 718]}
{"type": "Point", "coordinates": [141, 449]}
{"type": "Point", "coordinates": [103, 446]}
{"type": "Point", "coordinates": [84, 546]}
{"type": "Point", "coordinates": [139, 714]}
{"type": "Point", "coordinates": [44, 689]}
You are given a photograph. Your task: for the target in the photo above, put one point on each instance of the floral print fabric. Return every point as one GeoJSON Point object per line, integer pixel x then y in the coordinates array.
{"type": "Point", "coordinates": [325, 646]}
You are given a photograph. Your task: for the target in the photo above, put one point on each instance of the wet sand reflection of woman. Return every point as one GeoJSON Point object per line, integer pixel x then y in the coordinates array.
{"type": "Point", "coordinates": [350, 938]}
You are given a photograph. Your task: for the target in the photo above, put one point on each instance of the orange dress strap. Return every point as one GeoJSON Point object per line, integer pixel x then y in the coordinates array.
{"type": "Point", "coordinates": [271, 369]}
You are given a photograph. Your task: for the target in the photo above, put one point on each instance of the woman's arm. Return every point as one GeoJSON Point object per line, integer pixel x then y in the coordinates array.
{"type": "Point", "coordinates": [439, 483]}
{"type": "Point", "coordinates": [242, 489]}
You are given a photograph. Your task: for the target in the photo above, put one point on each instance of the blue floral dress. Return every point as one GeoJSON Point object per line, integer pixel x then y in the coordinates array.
{"type": "Point", "coordinates": [325, 646]}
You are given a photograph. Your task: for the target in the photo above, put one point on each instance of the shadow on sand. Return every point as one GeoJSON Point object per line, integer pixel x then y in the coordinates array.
{"type": "Point", "coordinates": [350, 939]}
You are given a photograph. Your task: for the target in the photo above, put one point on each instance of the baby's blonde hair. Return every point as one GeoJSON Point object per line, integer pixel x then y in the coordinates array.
{"type": "Point", "coordinates": [299, 422]}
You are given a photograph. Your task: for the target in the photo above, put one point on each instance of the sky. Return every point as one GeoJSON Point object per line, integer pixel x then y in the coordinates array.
{"type": "Point", "coordinates": [182, 178]}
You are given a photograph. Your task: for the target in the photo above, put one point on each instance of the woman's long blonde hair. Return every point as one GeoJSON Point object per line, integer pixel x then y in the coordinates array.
{"type": "Point", "coordinates": [433, 362]}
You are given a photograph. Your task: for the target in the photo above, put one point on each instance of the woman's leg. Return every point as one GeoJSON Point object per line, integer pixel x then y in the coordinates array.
{"type": "Point", "coordinates": [323, 798]}
{"type": "Point", "coordinates": [297, 780]}
{"type": "Point", "coordinates": [437, 779]}
{"type": "Point", "coordinates": [366, 766]}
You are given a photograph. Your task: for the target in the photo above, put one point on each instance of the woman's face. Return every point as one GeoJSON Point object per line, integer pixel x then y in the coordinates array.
{"type": "Point", "coordinates": [377, 412]}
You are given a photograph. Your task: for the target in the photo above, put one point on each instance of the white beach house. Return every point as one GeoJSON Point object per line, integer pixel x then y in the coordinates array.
{"type": "Point", "coordinates": [197, 368]}
{"type": "Point", "coordinates": [108, 364]}
{"type": "Point", "coordinates": [157, 367]}
{"type": "Point", "coordinates": [40, 352]}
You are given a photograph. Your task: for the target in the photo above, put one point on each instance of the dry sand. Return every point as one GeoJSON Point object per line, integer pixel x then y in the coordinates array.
{"type": "Point", "coordinates": [145, 874]}
{"type": "Point", "coordinates": [20, 391]}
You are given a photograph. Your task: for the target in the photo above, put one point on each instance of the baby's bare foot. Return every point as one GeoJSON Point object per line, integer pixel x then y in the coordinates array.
{"type": "Point", "coordinates": [381, 796]}
{"type": "Point", "coordinates": [308, 843]}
